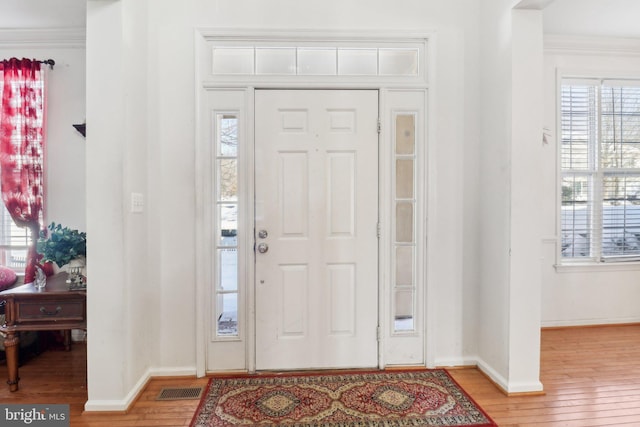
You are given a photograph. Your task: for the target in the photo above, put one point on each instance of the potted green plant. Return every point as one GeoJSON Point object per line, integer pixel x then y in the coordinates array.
{"type": "Point", "coordinates": [61, 245]}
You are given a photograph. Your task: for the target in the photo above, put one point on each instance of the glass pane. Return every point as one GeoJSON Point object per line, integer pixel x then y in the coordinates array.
{"type": "Point", "coordinates": [621, 215]}
{"type": "Point", "coordinates": [620, 127]}
{"type": "Point", "coordinates": [318, 62]}
{"type": "Point", "coordinates": [405, 134]}
{"type": "Point", "coordinates": [228, 264]}
{"type": "Point", "coordinates": [620, 188]}
{"type": "Point", "coordinates": [575, 189]}
{"type": "Point", "coordinates": [575, 218]}
{"type": "Point", "coordinates": [357, 62]}
{"type": "Point", "coordinates": [227, 322]}
{"type": "Point", "coordinates": [10, 233]}
{"type": "Point", "coordinates": [404, 179]}
{"type": "Point", "coordinates": [404, 222]}
{"type": "Point", "coordinates": [403, 311]}
{"type": "Point", "coordinates": [276, 61]}
{"type": "Point", "coordinates": [15, 259]}
{"type": "Point", "coordinates": [233, 61]}
{"type": "Point", "coordinates": [227, 136]}
{"type": "Point", "coordinates": [228, 224]}
{"type": "Point", "coordinates": [398, 62]}
{"type": "Point", "coordinates": [228, 179]}
{"type": "Point", "coordinates": [579, 126]}
{"type": "Point", "coordinates": [404, 266]}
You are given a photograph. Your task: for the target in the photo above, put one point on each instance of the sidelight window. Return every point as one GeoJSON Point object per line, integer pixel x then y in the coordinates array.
{"type": "Point", "coordinates": [226, 289]}
{"type": "Point", "coordinates": [404, 283]}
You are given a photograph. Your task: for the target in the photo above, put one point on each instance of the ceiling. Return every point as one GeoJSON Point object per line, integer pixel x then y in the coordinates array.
{"type": "Point", "coordinates": [610, 18]}
{"type": "Point", "coordinates": [603, 18]}
{"type": "Point", "coordinates": [42, 13]}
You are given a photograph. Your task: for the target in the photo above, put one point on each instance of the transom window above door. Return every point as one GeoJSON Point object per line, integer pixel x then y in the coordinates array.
{"type": "Point", "coordinates": [350, 60]}
{"type": "Point", "coordinates": [316, 61]}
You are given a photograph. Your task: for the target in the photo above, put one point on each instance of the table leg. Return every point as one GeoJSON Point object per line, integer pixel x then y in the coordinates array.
{"type": "Point", "coordinates": [67, 339]}
{"type": "Point", "coordinates": [11, 345]}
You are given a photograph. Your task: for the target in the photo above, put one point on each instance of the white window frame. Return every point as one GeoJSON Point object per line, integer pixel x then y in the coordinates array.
{"type": "Point", "coordinates": [597, 174]}
{"type": "Point", "coordinates": [246, 80]}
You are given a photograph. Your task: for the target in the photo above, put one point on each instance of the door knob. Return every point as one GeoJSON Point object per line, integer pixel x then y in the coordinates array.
{"type": "Point", "coordinates": [263, 234]}
{"type": "Point", "coordinates": [263, 247]}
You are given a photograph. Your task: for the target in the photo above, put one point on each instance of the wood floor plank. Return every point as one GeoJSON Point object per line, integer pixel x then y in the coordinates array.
{"type": "Point", "coordinates": [591, 377]}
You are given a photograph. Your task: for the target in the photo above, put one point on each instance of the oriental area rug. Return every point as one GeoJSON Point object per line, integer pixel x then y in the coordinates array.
{"type": "Point", "coordinates": [381, 398]}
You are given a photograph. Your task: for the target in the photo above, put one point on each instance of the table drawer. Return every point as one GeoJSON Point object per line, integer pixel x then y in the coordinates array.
{"type": "Point", "coordinates": [51, 310]}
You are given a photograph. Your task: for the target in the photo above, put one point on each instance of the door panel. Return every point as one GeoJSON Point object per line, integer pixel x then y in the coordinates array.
{"type": "Point", "coordinates": [316, 184]}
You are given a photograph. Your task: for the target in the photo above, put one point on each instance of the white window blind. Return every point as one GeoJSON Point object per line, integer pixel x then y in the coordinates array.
{"type": "Point", "coordinates": [14, 243]}
{"type": "Point", "coordinates": [600, 163]}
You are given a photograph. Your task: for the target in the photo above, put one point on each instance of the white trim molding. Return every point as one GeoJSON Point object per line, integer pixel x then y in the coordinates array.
{"type": "Point", "coordinates": [119, 404]}
{"type": "Point", "coordinates": [533, 4]}
{"type": "Point", "coordinates": [589, 322]}
{"type": "Point", "coordinates": [509, 387]}
{"type": "Point", "coordinates": [596, 267]}
{"type": "Point", "coordinates": [43, 38]}
{"type": "Point", "coordinates": [412, 73]}
{"type": "Point", "coordinates": [301, 34]}
{"type": "Point", "coordinates": [588, 45]}
{"type": "Point", "coordinates": [137, 389]}
{"type": "Point", "coordinates": [232, 58]}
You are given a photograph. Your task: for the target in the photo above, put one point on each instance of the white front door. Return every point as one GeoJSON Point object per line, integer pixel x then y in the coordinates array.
{"type": "Point", "coordinates": [316, 196]}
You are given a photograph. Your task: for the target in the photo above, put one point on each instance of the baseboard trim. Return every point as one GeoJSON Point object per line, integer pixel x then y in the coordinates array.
{"type": "Point", "coordinates": [492, 375]}
{"type": "Point", "coordinates": [523, 388]}
{"type": "Point", "coordinates": [456, 362]}
{"type": "Point", "coordinates": [173, 372]}
{"type": "Point", "coordinates": [588, 324]}
{"type": "Point", "coordinates": [122, 405]}
{"type": "Point", "coordinates": [125, 404]}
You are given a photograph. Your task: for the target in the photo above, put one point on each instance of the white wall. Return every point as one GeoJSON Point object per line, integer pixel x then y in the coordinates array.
{"type": "Point", "coordinates": [525, 198]}
{"type": "Point", "coordinates": [65, 174]}
{"type": "Point", "coordinates": [494, 110]}
{"type": "Point", "coordinates": [170, 115]}
{"type": "Point", "coordinates": [171, 35]}
{"type": "Point", "coordinates": [123, 297]}
{"type": "Point", "coordinates": [107, 306]}
{"type": "Point", "coordinates": [29, 14]}
{"type": "Point", "coordinates": [582, 295]}
{"type": "Point", "coordinates": [510, 132]}
{"type": "Point", "coordinates": [151, 123]}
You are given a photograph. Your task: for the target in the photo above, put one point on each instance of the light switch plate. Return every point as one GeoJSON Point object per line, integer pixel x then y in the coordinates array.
{"type": "Point", "coordinates": [137, 202]}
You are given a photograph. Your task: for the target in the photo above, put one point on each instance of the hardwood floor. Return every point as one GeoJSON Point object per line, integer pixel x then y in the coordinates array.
{"type": "Point", "coordinates": [591, 378]}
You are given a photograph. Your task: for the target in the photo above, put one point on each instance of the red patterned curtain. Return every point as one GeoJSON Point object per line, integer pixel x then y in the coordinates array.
{"type": "Point", "coordinates": [22, 148]}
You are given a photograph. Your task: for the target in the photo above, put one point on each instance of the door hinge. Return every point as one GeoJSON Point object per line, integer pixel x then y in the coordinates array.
{"type": "Point", "coordinates": [379, 126]}
{"type": "Point", "coordinates": [378, 230]}
{"type": "Point", "coordinates": [378, 333]}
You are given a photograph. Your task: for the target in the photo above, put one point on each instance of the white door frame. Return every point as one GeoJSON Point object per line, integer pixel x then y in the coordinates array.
{"type": "Point", "coordinates": [247, 84]}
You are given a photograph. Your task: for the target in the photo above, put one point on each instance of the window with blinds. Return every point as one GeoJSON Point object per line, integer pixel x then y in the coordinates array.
{"type": "Point", "coordinates": [14, 243]}
{"type": "Point", "coordinates": [600, 170]}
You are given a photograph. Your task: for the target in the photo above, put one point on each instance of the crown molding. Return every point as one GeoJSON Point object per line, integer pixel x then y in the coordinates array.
{"type": "Point", "coordinates": [302, 34]}
{"type": "Point", "coordinates": [591, 45]}
{"type": "Point", "coordinates": [533, 4]}
{"type": "Point", "coordinates": [43, 37]}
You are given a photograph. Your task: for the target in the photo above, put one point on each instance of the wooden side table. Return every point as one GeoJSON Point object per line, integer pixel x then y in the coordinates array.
{"type": "Point", "coordinates": [53, 308]}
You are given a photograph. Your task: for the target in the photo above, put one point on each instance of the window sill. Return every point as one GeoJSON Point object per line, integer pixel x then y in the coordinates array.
{"type": "Point", "coordinates": [591, 267]}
